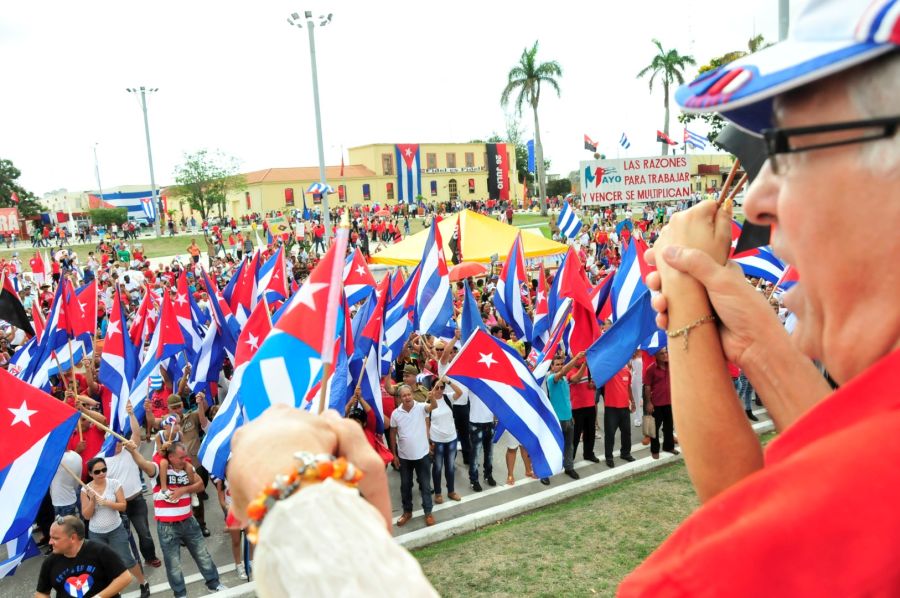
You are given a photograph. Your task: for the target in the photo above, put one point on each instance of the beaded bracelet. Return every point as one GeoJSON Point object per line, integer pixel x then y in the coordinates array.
{"type": "Point", "coordinates": [310, 469]}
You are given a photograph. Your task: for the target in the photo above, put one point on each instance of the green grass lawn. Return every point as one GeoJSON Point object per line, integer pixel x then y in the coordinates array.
{"type": "Point", "coordinates": [581, 547]}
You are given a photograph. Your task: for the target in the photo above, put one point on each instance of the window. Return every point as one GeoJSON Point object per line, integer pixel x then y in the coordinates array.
{"type": "Point", "coordinates": [288, 196]}
{"type": "Point", "coordinates": [471, 185]}
{"type": "Point", "coordinates": [470, 159]}
{"type": "Point", "coordinates": [342, 193]}
{"type": "Point", "coordinates": [389, 190]}
{"type": "Point", "coordinates": [433, 188]}
{"type": "Point", "coordinates": [431, 161]}
{"type": "Point", "coordinates": [367, 192]}
{"type": "Point", "coordinates": [451, 187]}
{"type": "Point", "coordinates": [451, 160]}
{"type": "Point", "coordinates": [387, 164]}
{"type": "Point", "coordinates": [247, 198]}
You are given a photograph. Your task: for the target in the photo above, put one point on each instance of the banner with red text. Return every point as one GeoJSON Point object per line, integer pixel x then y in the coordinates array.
{"type": "Point", "coordinates": [630, 180]}
{"type": "Point", "coordinates": [498, 171]}
{"type": "Point", "coordinates": [9, 221]}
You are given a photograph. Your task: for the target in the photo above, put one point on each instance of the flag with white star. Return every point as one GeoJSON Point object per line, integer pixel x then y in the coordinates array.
{"type": "Point", "coordinates": [496, 374]}
{"type": "Point", "coordinates": [35, 428]}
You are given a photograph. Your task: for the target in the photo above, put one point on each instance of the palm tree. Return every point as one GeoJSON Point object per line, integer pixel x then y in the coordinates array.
{"type": "Point", "coordinates": [526, 78]}
{"type": "Point", "coordinates": [669, 64]}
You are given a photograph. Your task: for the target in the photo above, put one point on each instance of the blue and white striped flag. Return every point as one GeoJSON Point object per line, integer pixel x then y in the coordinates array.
{"type": "Point", "coordinates": [434, 297]}
{"type": "Point", "coordinates": [17, 550]}
{"type": "Point", "coordinates": [695, 140]}
{"type": "Point", "coordinates": [623, 141]}
{"type": "Point", "coordinates": [569, 223]}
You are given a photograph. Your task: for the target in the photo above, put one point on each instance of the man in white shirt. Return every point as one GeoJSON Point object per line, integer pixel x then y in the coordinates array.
{"type": "Point", "coordinates": [122, 467]}
{"type": "Point", "coordinates": [64, 487]}
{"type": "Point", "coordinates": [409, 443]}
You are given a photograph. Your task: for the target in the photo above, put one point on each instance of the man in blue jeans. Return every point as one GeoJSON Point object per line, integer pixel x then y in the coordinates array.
{"type": "Point", "coordinates": [481, 435]}
{"type": "Point", "coordinates": [175, 521]}
{"type": "Point", "coordinates": [409, 443]}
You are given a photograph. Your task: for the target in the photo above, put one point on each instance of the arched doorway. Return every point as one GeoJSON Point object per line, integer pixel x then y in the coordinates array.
{"type": "Point", "coordinates": [451, 187]}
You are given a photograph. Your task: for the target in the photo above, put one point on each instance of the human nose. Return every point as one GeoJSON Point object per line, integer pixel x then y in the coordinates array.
{"type": "Point", "coordinates": [760, 206]}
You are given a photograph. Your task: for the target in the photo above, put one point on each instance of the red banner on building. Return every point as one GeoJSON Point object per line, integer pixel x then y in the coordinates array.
{"type": "Point", "coordinates": [9, 220]}
{"type": "Point", "coordinates": [498, 171]}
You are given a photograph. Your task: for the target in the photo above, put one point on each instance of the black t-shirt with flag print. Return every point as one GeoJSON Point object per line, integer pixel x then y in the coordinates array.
{"type": "Point", "coordinates": [82, 576]}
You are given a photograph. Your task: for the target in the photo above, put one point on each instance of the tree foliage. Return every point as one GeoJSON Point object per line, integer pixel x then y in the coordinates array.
{"type": "Point", "coordinates": [108, 216]}
{"type": "Point", "coordinates": [525, 80]}
{"type": "Point", "coordinates": [668, 66]}
{"type": "Point", "coordinates": [204, 179]}
{"type": "Point", "coordinates": [715, 122]}
{"type": "Point", "coordinates": [28, 203]}
{"type": "Point", "coordinates": [559, 187]}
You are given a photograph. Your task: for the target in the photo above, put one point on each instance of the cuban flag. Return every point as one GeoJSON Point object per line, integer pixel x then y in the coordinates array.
{"type": "Point", "coordinates": [508, 295]}
{"type": "Point", "coordinates": [54, 340]}
{"type": "Point", "coordinates": [398, 315]}
{"type": "Point", "coordinates": [17, 550]}
{"type": "Point", "coordinates": [226, 324]}
{"type": "Point", "coordinates": [788, 279]}
{"type": "Point", "coordinates": [358, 280]}
{"type": "Point", "coordinates": [434, 297]}
{"type": "Point", "coordinates": [271, 280]}
{"type": "Point", "coordinates": [188, 314]}
{"type": "Point", "coordinates": [81, 307]}
{"type": "Point", "coordinates": [35, 428]}
{"type": "Point", "coordinates": [695, 140]}
{"type": "Point", "coordinates": [539, 361]}
{"type": "Point", "coordinates": [118, 364]}
{"type": "Point", "coordinates": [21, 359]}
{"type": "Point", "coordinates": [614, 348]}
{"type": "Point", "coordinates": [244, 291]}
{"type": "Point", "coordinates": [541, 326]}
{"type": "Point", "coordinates": [409, 172]}
{"type": "Point", "coordinates": [759, 262]}
{"type": "Point", "coordinates": [628, 282]}
{"type": "Point", "coordinates": [216, 447]}
{"type": "Point", "coordinates": [207, 363]}
{"type": "Point", "coordinates": [470, 318]}
{"type": "Point", "coordinates": [568, 222]}
{"type": "Point", "coordinates": [167, 341]}
{"type": "Point", "coordinates": [496, 374]}
{"type": "Point", "coordinates": [290, 362]}
{"type": "Point", "coordinates": [142, 326]}
{"type": "Point", "coordinates": [367, 351]}
{"type": "Point", "coordinates": [623, 141]}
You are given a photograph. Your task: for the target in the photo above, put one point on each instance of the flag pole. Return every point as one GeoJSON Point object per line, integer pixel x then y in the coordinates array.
{"type": "Point", "coordinates": [78, 479]}
{"type": "Point", "coordinates": [334, 294]}
{"type": "Point", "coordinates": [105, 428]}
{"type": "Point", "coordinates": [724, 192]}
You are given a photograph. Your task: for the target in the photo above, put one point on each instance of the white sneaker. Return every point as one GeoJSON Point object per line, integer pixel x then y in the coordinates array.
{"type": "Point", "coordinates": [220, 588]}
{"type": "Point", "coordinates": [241, 572]}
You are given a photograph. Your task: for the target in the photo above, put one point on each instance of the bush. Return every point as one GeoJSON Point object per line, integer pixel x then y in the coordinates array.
{"type": "Point", "coordinates": [108, 216]}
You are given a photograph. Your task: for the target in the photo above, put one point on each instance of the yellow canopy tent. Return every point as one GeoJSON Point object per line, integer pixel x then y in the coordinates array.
{"type": "Point", "coordinates": [482, 237]}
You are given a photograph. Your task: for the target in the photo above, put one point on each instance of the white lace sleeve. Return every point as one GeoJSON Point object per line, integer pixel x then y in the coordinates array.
{"type": "Point", "coordinates": [326, 540]}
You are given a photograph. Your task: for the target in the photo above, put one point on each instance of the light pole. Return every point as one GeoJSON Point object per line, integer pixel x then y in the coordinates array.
{"type": "Point", "coordinates": [294, 21]}
{"type": "Point", "coordinates": [97, 172]}
{"type": "Point", "coordinates": [154, 196]}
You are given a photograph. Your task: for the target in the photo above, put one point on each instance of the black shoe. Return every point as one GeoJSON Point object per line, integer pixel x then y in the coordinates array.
{"type": "Point", "coordinates": [205, 531]}
{"type": "Point", "coordinates": [628, 458]}
{"type": "Point", "coordinates": [592, 458]}
{"type": "Point", "coordinates": [145, 590]}
{"type": "Point", "coordinates": [545, 481]}
{"type": "Point", "coordinates": [476, 486]}
{"type": "Point", "coordinates": [572, 474]}
{"type": "Point", "coordinates": [610, 463]}
{"type": "Point", "coordinates": [750, 416]}
{"type": "Point", "coordinates": [758, 402]}
{"type": "Point", "coordinates": [490, 481]}
{"type": "Point", "coordinates": [202, 495]}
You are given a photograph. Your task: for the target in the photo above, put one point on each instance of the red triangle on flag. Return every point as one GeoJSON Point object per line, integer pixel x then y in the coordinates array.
{"type": "Point", "coordinates": [408, 152]}
{"type": "Point", "coordinates": [27, 414]}
{"type": "Point", "coordinates": [255, 330]}
{"type": "Point", "coordinates": [482, 357]}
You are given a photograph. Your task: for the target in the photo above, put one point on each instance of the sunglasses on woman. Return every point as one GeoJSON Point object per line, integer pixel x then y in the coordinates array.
{"type": "Point", "coordinates": [99, 471]}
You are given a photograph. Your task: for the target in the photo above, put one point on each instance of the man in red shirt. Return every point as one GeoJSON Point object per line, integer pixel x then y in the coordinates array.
{"type": "Point", "coordinates": [584, 412]}
{"type": "Point", "coordinates": [618, 407]}
{"type": "Point", "coordinates": [815, 511]}
{"type": "Point", "coordinates": [658, 403]}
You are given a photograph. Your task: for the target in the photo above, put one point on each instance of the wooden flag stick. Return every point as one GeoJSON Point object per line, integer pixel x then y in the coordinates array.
{"type": "Point", "coordinates": [323, 390]}
{"type": "Point", "coordinates": [737, 188]}
{"type": "Point", "coordinates": [105, 428]}
{"type": "Point", "coordinates": [724, 192]}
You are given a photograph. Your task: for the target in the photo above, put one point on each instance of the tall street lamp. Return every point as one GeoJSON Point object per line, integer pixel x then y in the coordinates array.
{"type": "Point", "coordinates": [294, 21]}
{"type": "Point", "coordinates": [154, 196]}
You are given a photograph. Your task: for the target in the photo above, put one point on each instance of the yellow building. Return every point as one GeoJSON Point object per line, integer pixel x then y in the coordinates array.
{"type": "Point", "coordinates": [709, 171]}
{"type": "Point", "coordinates": [446, 171]}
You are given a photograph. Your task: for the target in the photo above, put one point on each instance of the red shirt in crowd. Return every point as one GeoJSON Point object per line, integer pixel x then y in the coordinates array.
{"type": "Point", "coordinates": [657, 379]}
{"type": "Point", "coordinates": [819, 517]}
{"type": "Point", "coordinates": [580, 393]}
{"type": "Point", "coordinates": [617, 392]}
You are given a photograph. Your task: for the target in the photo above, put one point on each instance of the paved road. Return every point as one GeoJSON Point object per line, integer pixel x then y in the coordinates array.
{"type": "Point", "coordinates": [452, 517]}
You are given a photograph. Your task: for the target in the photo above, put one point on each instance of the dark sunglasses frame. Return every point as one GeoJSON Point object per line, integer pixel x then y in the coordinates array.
{"type": "Point", "coordinates": [778, 139]}
{"type": "Point", "coordinates": [99, 471]}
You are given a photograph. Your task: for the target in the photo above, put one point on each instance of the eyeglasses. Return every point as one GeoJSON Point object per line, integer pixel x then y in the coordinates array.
{"type": "Point", "coordinates": [99, 471]}
{"type": "Point", "coordinates": [783, 141]}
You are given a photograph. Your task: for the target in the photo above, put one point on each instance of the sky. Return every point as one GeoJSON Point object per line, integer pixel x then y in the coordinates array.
{"type": "Point", "coordinates": [236, 77]}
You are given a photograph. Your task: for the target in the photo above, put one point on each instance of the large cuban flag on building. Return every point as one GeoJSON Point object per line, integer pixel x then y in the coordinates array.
{"type": "Point", "coordinates": [138, 203]}
{"type": "Point", "coordinates": [409, 172]}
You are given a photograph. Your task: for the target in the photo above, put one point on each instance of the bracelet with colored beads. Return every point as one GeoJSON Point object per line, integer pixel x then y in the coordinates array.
{"type": "Point", "coordinates": [310, 469]}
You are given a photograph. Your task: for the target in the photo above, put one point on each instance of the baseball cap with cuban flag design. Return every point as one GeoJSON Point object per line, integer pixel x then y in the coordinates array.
{"type": "Point", "coordinates": [827, 37]}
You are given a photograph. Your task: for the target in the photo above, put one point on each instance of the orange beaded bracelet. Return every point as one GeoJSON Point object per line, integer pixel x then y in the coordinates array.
{"type": "Point", "coordinates": [310, 469]}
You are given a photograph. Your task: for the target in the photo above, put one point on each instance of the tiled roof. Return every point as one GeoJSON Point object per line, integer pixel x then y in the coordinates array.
{"type": "Point", "coordinates": [306, 173]}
